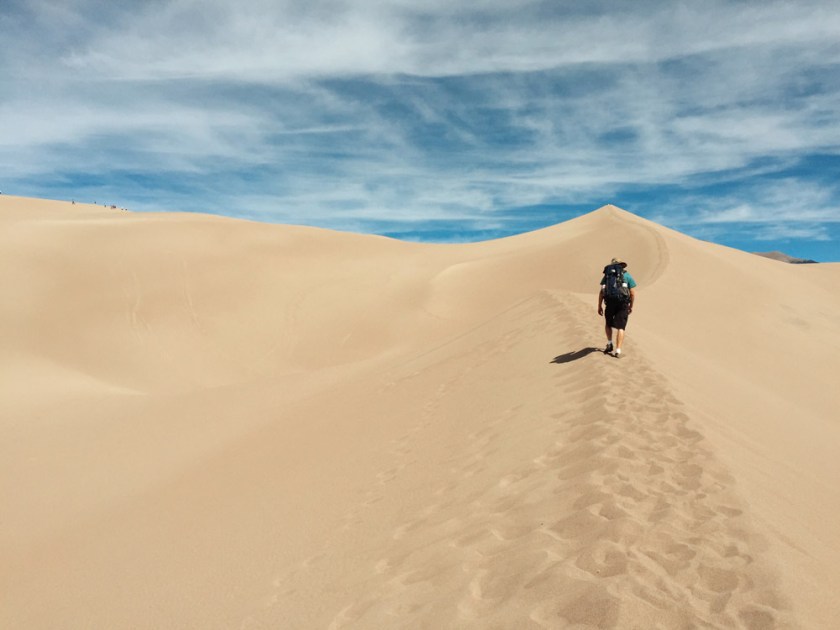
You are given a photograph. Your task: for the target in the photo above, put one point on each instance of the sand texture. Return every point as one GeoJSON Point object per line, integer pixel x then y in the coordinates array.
{"type": "Point", "coordinates": [212, 423]}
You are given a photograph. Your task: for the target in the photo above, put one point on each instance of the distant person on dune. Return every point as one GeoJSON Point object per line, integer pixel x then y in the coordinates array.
{"type": "Point", "coordinates": [617, 291]}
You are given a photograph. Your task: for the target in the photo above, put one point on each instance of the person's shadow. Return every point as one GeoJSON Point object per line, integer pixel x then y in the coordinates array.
{"type": "Point", "coordinates": [575, 355]}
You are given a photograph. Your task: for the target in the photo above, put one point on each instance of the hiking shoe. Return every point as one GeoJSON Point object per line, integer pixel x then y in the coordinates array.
{"type": "Point", "coordinates": [609, 348]}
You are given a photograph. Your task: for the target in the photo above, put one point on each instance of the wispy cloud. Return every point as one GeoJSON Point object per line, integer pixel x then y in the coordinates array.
{"type": "Point", "coordinates": [787, 200]}
{"type": "Point", "coordinates": [378, 113]}
{"type": "Point", "coordinates": [787, 233]}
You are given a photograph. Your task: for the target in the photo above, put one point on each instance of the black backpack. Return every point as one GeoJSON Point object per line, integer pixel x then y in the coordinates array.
{"type": "Point", "coordinates": [615, 287]}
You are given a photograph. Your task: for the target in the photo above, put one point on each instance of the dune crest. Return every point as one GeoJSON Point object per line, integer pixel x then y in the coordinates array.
{"type": "Point", "coordinates": [223, 424]}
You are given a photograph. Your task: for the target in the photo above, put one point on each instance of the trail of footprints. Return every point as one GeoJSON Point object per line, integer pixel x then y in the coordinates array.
{"type": "Point", "coordinates": [621, 519]}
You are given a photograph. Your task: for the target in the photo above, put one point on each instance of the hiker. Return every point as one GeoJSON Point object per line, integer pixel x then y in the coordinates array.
{"type": "Point", "coordinates": [617, 291]}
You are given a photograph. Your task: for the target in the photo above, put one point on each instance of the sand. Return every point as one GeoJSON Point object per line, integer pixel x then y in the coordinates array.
{"type": "Point", "coordinates": [213, 423]}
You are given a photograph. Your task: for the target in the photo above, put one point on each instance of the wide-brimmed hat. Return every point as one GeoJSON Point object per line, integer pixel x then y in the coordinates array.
{"type": "Point", "coordinates": [618, 261]}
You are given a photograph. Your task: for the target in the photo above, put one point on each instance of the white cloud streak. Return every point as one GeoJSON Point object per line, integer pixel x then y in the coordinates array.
{"type": "Point", "coordinates": [269, 41]}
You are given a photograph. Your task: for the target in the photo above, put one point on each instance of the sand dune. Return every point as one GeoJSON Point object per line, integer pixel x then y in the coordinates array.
{"type": "Point", "coordinates": [211, 423]}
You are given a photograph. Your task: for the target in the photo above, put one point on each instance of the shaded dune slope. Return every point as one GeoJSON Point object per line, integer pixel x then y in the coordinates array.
{"type": "Point", "coordinates": [219, 424]}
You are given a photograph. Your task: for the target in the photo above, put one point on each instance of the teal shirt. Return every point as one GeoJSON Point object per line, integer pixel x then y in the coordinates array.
{"type": "Point", "coordinates": [631, 284]}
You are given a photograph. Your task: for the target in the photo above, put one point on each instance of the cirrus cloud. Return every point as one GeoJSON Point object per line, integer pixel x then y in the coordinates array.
{"type": "Point", "coordinates": [372, 114]}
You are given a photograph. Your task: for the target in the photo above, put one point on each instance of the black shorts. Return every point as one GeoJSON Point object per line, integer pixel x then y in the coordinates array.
{"type": "Point", "coordinates": [617, 313]}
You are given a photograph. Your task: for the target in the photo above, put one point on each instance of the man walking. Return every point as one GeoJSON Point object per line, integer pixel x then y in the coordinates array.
{"type": "Point", "coordinates": [617, 291]}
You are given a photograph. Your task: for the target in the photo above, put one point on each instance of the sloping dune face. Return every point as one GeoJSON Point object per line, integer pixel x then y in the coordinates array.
{"type": "Point", "coordinates": [209, 423]}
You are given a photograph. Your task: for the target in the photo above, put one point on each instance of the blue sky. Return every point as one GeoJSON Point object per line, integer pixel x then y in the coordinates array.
{"type": "Point", "coordinates": [432, 119]}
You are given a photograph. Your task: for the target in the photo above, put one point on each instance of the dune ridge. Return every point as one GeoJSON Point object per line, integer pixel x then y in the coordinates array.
{"type": "Point", "coordinates": [221, 424]}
